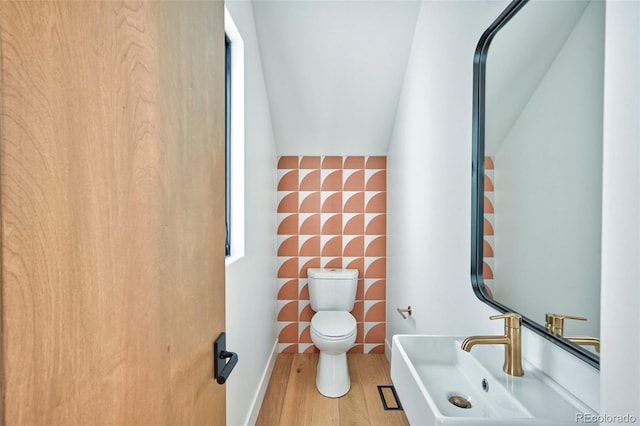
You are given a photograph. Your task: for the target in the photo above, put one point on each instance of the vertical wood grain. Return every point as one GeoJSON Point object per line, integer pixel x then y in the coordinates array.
{"type": "Point", "coordinates": [112, 198]}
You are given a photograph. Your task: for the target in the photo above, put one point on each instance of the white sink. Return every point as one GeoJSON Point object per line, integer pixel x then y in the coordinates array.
{"type": "Point", "coordinates": [427, 370]}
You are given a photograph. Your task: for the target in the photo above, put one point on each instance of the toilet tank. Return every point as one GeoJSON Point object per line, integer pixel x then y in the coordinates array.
{"type": "Point", "coordinates": [332, 289]}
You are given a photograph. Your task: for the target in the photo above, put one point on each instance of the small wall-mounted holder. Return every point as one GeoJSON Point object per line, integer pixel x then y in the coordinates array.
{"type": "Point", "coordinates": [403, 311]}
{"type": "Point", "coordinates": [221, 367]}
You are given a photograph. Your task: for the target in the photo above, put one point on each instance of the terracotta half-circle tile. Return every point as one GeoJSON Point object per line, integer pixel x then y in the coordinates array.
{"type": "Point", "coordinates": [305, 336]}
{"type": "Point", "coordinates": [289, 225]}
{"type": "Point", "coordinates": [354, 248]}
{"type": "Point", "coordinates": [333, 225]}
{"type": "Point", "coordinates": [289, 182]}
{"type": "Point", "coordinates": [355, 203]}
{"type": "Point", "coordinates": [311, 350]}
{"type": "Point", "coordinates": [289, 269]}
{"type": "Point", "coordinates": [358, 311]}
{"type": "Point", "coordinates": [332, 162]}
{"type": "Point", "coordinates": [289, 290]}
{"type": "Point", "coordinates": [376, 334]}
{"type": "Point", "coordinates": [356, 349]}
{"type": "Point", "coordinates": [377, 247]}
{"type": "Point", "coordinates": [333, 182]}
{"type": "Point", "coordinates": [287, 162]}
{"type": "Point", "coordinates": [310, 203]}
{"type": "Point", "coordinates": [487, 250]}
{"type": "Point", "coordinates": [289, 334]}
{"type": "Point", "coordinates": [289, 312]}
{"type": "Point", "coordinates": [334, 263]}
{"type": "Point", "coordinates": [304, 293]}
{"type": "Point", "coordinates": [311, 247]}
{"type": "Point", "coordinates": [360, 289]}
{"type": "Point", "coordinates": [289, 204]}
{"type": "Point", "coordinates": [310, 162]}
{"type": "Point", "coordinates": [355, 226]}
{"type": "Point", "coordinates": [377, 269]}
{"type": "Point", "coordinates": [377, 291]}
{"type": "Point", "coordinates": [488, 228]}
{"type": "Point", "coordinates": [377, 182]}
{"type": "Point", "coordinates": [487, 272]}
{"type": "Point", "coordinates": [306, 313]}
{"type": "Point", "coordinates": [355, 181]}
{"type": "Point", "coordinates": [360, 332]}
{"type": "Point", "coordinates": [377, 225]}
{"type": "Point", "coordinates": [333, 247]}
{"type": "Point", "coordinates": [311, 226]}
{"type": "Point", "coordinates": [488, 163]}
{"type": "Point", "coordinates": [357, 264]}
{"type": "Point", "coordinates": [376, 313]}
{"type": "Point", "coordinates": [488, 207]}
{"type": "Point", "coordinates": [376, 162]}
{"type": "Point", "coordinates": [333, 203]}
{"type": "Point", "coordinates": [379, 349]}
{"type": "Point", "coordinates": [311, 182]}
{"type": "Point", "coordinates": [354, 162]}
{"type": "Point", "coordinates": [488, 184]}
{"type": "Point", "coordinates": [291, 349]}
{"type": "Point", "coordinates": [289, 247]}
{"type": "Point", "coordinates": [487, 289]}
{"type": "Point", "coordinates": [311, 263]}
{"type": "Point", "coordinates": [377, 203]}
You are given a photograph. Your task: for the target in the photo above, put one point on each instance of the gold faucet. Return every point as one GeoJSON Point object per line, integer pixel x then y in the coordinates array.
{"type": "Point", "coordinates": [511, 340]}
{"type": "Point", "coordinates": [586, 341]}
{"type": "Point", "coordinates": [555, 325]}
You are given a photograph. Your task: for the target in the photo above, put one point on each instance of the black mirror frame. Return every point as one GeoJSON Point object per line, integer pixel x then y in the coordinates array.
{"type": "Point", "coordinates": [477, 182]}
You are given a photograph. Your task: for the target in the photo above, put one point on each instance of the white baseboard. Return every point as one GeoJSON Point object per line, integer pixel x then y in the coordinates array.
{"type": "Point", "coordinates": [252, 417]}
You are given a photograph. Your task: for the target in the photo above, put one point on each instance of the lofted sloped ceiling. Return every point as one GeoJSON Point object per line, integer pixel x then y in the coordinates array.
{"type": "Point", "coordinates": [334, 72]}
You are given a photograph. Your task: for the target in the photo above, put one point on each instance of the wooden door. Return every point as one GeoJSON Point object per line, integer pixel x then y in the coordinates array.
{"type": "Point", "coordinates": [112, 207]}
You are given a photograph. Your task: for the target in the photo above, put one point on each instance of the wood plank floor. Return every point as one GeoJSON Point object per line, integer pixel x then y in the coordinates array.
{"type": "Point", "coordinates": [292, 398]}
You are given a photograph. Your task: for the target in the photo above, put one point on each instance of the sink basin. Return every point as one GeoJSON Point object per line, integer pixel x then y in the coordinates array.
{"type": "Point", "coordinates": [440, 384]}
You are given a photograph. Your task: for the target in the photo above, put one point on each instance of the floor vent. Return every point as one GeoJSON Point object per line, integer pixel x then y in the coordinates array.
{"type": "Point", "coordinates": [389, 397]}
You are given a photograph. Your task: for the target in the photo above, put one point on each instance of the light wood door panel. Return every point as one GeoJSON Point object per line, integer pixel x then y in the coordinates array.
{"type": "Point", "coordinates": [112, 204]}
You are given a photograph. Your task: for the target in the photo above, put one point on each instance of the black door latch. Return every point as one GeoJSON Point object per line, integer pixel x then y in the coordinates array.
{"type": "Point", "coordinates": [221, 367]}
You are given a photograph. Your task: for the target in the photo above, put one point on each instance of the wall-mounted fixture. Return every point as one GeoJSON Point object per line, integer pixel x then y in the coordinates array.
{"type": "Point", "coordinates": [402, 312]}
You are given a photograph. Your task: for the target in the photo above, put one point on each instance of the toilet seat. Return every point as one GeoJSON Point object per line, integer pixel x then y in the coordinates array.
{"type": "Point", "coordinates": [333, 325]}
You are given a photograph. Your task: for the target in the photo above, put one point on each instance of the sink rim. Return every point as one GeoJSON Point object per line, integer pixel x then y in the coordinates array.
{"type": "Point", "coordinates": [532, 373]}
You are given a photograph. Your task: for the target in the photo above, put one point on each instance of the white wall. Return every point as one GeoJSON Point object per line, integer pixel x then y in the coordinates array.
{"type": "Point", "coordinates": [548, 188]}
{"type": "Point", "coordinates": [429, 177]}
{"type": "Point", "coordinates": [620, 369]}
{"type": "Point", "coordinates": [429, 193]}
{"type": "Point", "coordinates": [250, 281]}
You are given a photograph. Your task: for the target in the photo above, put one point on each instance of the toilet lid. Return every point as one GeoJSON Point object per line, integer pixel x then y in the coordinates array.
{"type": "Point", "coordinates": [333, 323]}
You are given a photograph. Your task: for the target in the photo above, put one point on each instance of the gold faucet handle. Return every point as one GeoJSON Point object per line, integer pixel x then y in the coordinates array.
{"type": "Point", "coordinates": [555, 322]}
{"type": "Point", "coordinates": [511, 319]}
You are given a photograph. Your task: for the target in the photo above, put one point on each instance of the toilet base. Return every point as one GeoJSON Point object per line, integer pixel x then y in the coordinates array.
{"type": "Point", "coordinates": [332, 379]}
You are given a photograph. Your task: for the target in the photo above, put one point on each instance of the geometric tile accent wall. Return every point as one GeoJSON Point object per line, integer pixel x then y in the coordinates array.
{"type": "Point", "coordinates": [488, 265]}
{"type": "Point", "coordinates": [331, 214]}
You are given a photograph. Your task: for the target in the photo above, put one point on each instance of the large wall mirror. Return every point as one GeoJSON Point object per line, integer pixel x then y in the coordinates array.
{"type": "Point", "coordinates": [537, 168]}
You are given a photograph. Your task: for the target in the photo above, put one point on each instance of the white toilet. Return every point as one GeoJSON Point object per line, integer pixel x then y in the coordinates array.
{"type": "Point", "coordinates": [333, 329]}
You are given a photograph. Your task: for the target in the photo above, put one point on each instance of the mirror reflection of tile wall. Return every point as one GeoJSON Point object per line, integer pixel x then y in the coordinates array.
{"type": "Point", "coordinates": [331, 214]}
{"type": "Point", "coordinates": [489, 222]}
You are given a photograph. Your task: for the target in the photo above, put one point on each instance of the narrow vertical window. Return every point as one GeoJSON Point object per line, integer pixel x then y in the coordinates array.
{"type": "Point", "coordinates": [227, 144]}
{"type": "Point", "coordinates": [234, 140]}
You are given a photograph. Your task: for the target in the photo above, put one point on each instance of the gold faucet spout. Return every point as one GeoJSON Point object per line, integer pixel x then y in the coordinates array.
{"type": "Point", "coordinates": [470, 342]}
{"type": "Point", "coordinates": [511, 341]}
{"type": "Point", "coordinates": [586, 341]}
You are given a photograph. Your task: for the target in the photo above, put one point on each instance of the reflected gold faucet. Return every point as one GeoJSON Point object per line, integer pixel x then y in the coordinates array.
{"type": "Point", "coordinates": [555, 325]}
{"type": "Point", "coordinates": [511, 340]}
